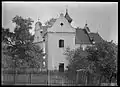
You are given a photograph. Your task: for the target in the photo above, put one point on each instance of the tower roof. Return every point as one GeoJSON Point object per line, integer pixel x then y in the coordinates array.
{"type": "Point", "coordinates": [68, 17]}
{"type": "Point", "coordinates": [38, 22]}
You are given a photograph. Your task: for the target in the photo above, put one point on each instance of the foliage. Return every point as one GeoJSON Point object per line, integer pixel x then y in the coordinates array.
{"type": "Point", "coordinates": [76, 58]}
{"type": "Point", "coordinates": [100, 59]}
{"type": "Point", "coordinates": [50, 22]}
{"type": "Point", "coordinates": [19, 46]}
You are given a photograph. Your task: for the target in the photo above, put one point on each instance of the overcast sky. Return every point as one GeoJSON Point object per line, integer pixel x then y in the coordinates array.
{"type": "Point", "coordinates": [101, 17]}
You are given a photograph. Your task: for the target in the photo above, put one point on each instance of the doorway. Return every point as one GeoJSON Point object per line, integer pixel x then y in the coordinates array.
{"type": "Point", "coordinates": [61, 67]}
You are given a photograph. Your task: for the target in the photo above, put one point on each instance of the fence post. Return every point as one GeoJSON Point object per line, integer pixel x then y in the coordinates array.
{"type": "Point", "coordinates": [14, 76]}
{"type": "Point", "coordinates": [77, 77]}
{"type": "Point", "coordinates": [30, 77]}
{"type": "Point", "coordinates": [86, 78]}
{"type": "Point", "coordinates": [48, 78]}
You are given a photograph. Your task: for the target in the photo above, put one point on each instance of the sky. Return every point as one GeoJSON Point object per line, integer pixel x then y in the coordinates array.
{"type": "Point", "coordinates": [100, 17]}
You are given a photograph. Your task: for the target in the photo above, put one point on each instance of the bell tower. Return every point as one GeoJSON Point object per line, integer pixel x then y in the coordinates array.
{"type": "Point", "coordinates": [38, 31]}
{"type": "Point", "coordinates": [38, 40]}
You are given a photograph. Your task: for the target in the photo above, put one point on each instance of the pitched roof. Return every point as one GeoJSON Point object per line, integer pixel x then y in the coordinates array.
{"type": "Point", "coordinates": [96, 37]}
{"type": "Point", "coordinates": [82, 37]}
{"type": "Point", "coordinates": [38, 22]}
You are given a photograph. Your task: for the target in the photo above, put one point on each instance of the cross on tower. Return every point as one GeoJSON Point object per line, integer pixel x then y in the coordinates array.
{"type": "Point", "coordinates": [66, 8]}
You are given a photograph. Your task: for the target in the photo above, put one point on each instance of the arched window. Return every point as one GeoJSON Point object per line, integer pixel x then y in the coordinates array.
{"type": "Point", "coordinates": [61, 43]}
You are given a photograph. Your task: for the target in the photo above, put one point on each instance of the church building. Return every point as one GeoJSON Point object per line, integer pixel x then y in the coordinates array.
{"type": "Point", "coordinates": [56, 38]}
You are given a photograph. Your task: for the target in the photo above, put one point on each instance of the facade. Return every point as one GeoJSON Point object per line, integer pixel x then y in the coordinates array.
{"type": "Point", "coordinates": [55, 39]}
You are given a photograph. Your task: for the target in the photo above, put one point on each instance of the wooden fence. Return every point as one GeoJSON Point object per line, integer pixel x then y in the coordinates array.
{"type": "Point", "coordinates": [24, 78]}
{"type": "Point", "coordinates": [50, 78]}
{"type": "Point", "coordinates": [30, 76]}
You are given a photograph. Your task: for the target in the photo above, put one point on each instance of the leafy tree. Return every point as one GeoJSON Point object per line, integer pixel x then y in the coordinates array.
{"type": "Point", "coordinates": [75, 58]}
{"type": "Point", "coordinates": [50, 22]}
{"type": "Point", "coordinates": [100, 59]}
{"type": "Point", "coordinates": [19, 45]}
{"type": "Point", "coordinates": [105, 60]}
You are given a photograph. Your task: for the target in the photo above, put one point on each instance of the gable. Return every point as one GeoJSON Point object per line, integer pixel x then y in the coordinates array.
{"type": "Point", "coordinates": [61, 25]}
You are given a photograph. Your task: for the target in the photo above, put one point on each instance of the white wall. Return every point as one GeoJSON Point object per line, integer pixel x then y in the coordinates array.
{"type": "Point", "coordinates": [55, 54]}
{"type": "Point", "coordinates": [55, 33]}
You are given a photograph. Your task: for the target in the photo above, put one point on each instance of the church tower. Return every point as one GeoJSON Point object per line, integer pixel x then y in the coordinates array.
{"type": "Point", "coordinates": [38, 32]}
{"type": "Point", "coordinates": [39, 40]}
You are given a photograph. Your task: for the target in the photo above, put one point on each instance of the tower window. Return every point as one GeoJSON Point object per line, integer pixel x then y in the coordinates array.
{"type": "Point", "coordinates": [43, 39]}
{"type": "Point", "coordinates": [61, 43]}
{"type": "Point", "coordinates": [61, 24]}
{"type": "Point", "coordinates": [37, 37]}
{"type": "Point", "coordinates": [40, 31]}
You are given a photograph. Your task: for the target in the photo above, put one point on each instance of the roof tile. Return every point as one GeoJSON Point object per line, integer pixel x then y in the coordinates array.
{"type": "Point", "coordinates": [96, 37]}
{"type": "Point", "coordinates": [81, 37]}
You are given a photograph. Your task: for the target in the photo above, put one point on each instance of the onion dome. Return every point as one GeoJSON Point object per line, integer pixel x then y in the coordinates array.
{"type": "Point", "coordinates": [38, 23]}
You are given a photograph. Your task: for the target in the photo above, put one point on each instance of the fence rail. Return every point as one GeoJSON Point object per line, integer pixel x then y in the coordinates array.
{"type": "Point", "coordinates": [49, 78]}
{"type": "Point", "coordinates": [24, 78]}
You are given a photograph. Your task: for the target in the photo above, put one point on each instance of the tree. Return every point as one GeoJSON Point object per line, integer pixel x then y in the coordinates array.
{"type": "Point", "coordinates": [100, 59]}
{"type": "Point", "coordinates": [76, 58]}
{"type": "Point", "coordinates": [50, 22]}
{"type": "Point", "coordinates": [106, 59]}
{"type": "Point", "coordinates": [19, 45]}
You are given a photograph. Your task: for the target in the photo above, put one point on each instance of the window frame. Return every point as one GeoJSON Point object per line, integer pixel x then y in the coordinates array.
{"type": "Point", "coordinates": [61, 43]}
